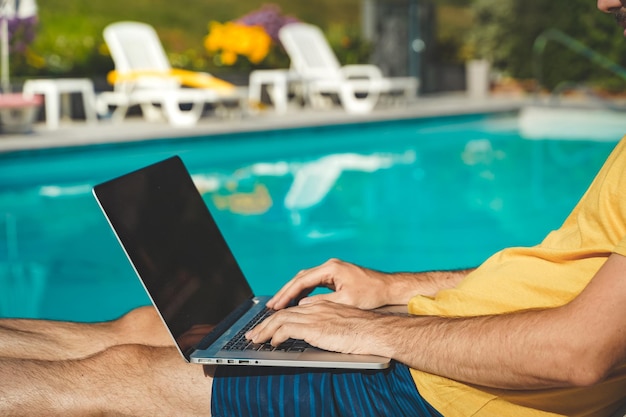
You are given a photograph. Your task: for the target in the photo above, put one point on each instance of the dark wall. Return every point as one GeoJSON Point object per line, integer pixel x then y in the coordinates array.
{"type": "Point", "coordinates": [403, 34]}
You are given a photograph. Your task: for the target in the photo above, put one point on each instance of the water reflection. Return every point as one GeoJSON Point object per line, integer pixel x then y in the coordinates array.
{"type": "Point", "coordinates": [22, 284]}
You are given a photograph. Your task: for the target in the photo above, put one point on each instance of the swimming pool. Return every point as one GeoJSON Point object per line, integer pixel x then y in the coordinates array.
{"type": "Point", "coordinates": [418, 194]}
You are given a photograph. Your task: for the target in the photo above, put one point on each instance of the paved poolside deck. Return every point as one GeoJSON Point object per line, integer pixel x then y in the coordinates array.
{"type": "Point", "coordinates": [135, 128]}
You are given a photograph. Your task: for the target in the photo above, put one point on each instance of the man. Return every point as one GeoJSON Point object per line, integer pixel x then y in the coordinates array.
{"type": "Point", "coordinates": [532, 332]}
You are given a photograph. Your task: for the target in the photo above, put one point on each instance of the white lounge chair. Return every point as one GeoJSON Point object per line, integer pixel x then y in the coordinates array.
{"type": "Point", "coordinates": [357, 86]}
{"type": "Point", "coordinates": [143, 76]}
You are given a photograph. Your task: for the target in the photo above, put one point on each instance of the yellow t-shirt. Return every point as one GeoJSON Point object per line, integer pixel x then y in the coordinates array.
{"type": "Point", "coordinates": [548, 275]}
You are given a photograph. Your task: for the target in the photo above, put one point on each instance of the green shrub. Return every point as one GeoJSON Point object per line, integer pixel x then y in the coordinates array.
{"type": "Point", "coordinates": [69, 39]}
{"type": "Point", "coordinates": [504, 32]}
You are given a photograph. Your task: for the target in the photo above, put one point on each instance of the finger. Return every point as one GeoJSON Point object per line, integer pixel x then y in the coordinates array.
{"type": "Point", "coordinates": [263, 331]}
{"type": "Point", "coordinates": [332, 297]}
{"type": "Point", "coordinates": [267, 329]}
{"type": "Point", "coordinates": [283, 297]}
{"type": "Point", "coordinates": [303, 283]}
{"type": "Point", "coordinates": [287, 331]}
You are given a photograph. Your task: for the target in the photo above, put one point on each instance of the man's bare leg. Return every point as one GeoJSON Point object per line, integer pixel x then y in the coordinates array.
{"type": "Point", "coordinates": [122, 380]}
{"type": "Point", "coordinates": [54, 340]}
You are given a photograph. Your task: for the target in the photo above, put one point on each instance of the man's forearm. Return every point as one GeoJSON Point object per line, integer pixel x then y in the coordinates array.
{"type": "Point", "coordinates": [405, 285]}
{"type": "Point", "coordinates": [578, 344]}
{"type": "Point", "coordinates": [493, 351]}
{"type": "Point", "coordinates": [524, 350]}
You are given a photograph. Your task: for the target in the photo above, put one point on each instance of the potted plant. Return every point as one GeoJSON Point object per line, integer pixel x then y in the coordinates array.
{"type": "Point", "coordinates": [17, 29]}
{"type": "Point", "coordinates": [482, 43]}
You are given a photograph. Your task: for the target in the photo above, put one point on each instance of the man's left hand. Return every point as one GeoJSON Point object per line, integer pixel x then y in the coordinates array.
{"type": "Point", "coordinates": [324, 324]}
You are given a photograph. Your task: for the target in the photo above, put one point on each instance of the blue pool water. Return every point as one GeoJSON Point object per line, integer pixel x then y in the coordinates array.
{"type": "Point", "coordinates": [405, 195]}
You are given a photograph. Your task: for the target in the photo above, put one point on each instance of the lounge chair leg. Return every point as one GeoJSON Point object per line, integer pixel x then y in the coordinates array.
{"type": "Point", "coordinates": [354, 104]}
{"type": "Point", "coordinates": [178, 117]}
{"type": "Point", "coordinates": [119, 114]}
{"type": "Point", "coordinates": [151, 112]}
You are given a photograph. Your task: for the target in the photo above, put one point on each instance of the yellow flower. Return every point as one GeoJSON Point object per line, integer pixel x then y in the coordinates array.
{"type": "Point", "coordinates": [232, 39]}
{"type": "Point", "coordinates": [213, 39]}
{"type": "Point", "coordinates": [228, 57]}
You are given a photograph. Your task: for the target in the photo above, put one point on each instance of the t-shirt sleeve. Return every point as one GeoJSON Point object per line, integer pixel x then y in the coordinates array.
{"type": "Point", "coordinates": [621, 247]}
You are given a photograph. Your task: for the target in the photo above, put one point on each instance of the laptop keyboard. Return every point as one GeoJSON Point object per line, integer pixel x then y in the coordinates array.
{"type": "Point", "coordinates": [240, 343]}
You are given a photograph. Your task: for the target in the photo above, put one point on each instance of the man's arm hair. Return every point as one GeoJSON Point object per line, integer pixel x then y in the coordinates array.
{"type": "Point", "coordinates": [405, 285]}
{"type": "Point", "coordinates": [577, 344]}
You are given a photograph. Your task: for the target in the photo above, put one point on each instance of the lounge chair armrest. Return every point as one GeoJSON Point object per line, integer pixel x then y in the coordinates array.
{"type": "Point", "coordinates": [361, 71]}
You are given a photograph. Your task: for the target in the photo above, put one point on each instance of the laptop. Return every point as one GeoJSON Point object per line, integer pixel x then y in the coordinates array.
{"type": "Point", "coordinates": [191, 276]}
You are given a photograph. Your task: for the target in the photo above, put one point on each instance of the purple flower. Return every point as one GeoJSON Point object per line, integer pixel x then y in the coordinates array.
{"type": "Point", "coordinates": [270, 17]}
{"type": "Point", "coordinates": [21, 32]}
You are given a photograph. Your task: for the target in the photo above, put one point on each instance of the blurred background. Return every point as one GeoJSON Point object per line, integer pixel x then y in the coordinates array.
{"type": "Point", "coordinates": [431, 39]}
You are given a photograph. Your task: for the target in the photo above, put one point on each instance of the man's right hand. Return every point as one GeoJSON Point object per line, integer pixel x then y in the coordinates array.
{"type": "Point", "coordinates": [351, 284]}
{"type": "Point", "coordinates": [363, 288]}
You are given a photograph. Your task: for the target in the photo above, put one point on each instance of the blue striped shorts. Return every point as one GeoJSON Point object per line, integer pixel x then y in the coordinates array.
{"type": "Point", "coordinates": [296, 392]}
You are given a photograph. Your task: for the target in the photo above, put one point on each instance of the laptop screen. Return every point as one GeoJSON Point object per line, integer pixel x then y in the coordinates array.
{"type": "Point", "coordinates": [174, 245]}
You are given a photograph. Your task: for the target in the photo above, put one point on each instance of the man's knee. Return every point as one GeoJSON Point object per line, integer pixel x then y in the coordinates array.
{"type": "Point", "coordinates": [143, 314]}
{"type": "Point", "coordinates": [142, 325]}
{"type": "Point", "coordinates": [129, 356]}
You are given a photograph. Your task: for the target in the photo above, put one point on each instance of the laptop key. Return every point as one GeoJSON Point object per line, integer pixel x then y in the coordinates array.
{"type": "Point", "coordinates": [296, 349]}
{"type": "Point", "coordinates": [254, 346]}
{"type": "Point", "coordinates": [240, 343]}
{"type": "Point", "coordinates": [299, 346]}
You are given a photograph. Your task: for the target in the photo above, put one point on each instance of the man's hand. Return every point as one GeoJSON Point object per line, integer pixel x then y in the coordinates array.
{"type": "Point", "coordinates": [352, 285]}
{"type": "Point", "coordinates": [327, 325]}
{"type": "Point", "coordinates": [364, 288]}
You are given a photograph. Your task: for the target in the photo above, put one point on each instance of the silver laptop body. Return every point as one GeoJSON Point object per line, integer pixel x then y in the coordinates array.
{"type": "Point", "coordinates": [191, 275]}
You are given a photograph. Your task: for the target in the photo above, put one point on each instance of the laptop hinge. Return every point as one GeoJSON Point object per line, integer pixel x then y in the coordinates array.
{"type": "Point", "coordinates": [222, 326]}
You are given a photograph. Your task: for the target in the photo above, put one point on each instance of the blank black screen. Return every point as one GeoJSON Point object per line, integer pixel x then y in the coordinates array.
{"type": "Point", "coordinates": [175, 245]}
